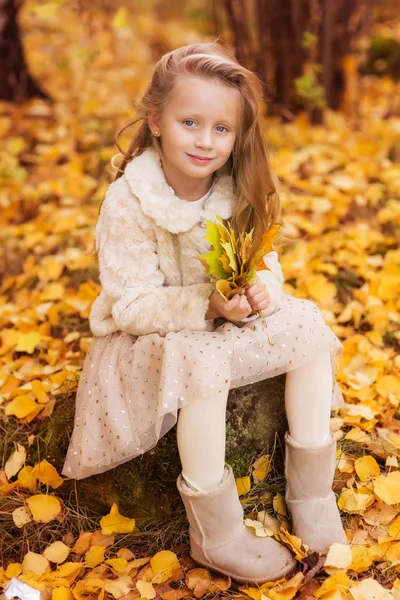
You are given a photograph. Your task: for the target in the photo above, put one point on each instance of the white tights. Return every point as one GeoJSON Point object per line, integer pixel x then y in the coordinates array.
{"type": "Point", "coordinates": [201, 429]}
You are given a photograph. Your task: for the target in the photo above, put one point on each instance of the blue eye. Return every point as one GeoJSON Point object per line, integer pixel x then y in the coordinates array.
{"type": "Point", "coordinates": [188, 121]}
{"type": "Point", "coordinates": [222, 127]}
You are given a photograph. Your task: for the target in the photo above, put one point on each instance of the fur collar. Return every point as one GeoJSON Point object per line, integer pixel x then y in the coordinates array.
{"type": "Point", "coordinates": [146, 179]}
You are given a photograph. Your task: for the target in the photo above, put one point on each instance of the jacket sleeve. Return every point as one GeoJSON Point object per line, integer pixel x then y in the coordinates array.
{"type": "Point", "coordinates": [273, 278]}
{"type": "Point", "coordinates": [140, 301]}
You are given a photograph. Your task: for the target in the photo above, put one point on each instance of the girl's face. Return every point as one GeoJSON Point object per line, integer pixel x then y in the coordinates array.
{"type": "Point", "coordinates": [200, 120]}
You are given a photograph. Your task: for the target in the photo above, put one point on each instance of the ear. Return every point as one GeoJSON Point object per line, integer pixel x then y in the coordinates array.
{"type": "Point", "coordinates": [153, 119]}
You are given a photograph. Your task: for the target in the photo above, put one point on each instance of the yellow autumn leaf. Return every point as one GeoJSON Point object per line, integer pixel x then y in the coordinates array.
{"type": "Point", "coordinates": [70, 570]}
{"type": "Point", "coordinates": [366, 468]}
{"type": "Point", "coordinates": [299, 549]}
{"type": "Point", "coordinates": [228, 262]}
{"type": "Point", "coordinates": [392, 461]}
{"type": "Point", "coordinates": [243, 485]}
{"type": "Point", "coordinates": [47, 474]}
{"type": "Point", "coordinates": [13, 570]}
{"type": "Point", "coordinates": [394, 529]}
{"type": "Point", "coordinates": [369, 589]}
{"type": "Point", "coordinates": [321, 289]}
{"type": "Point", "coordinates": [387, 487]}
{"type": "Point", "coordinates": [230, 253]}
{"type": "Point", "coordinates": [338, 582]}
{"type": "Point", "coordinates": [261, 468]}
{"type": "Point", "coordinates": [265, 246]}
{"type": "Point", "coordinates": [392, 552]}
{"type": "Point", "coordinates": [226, 288]}
{"type": "Point", "coordinates": [279, 505]}
{"type": "Point", "coordinates": [259, 528]}
{"type": "Point", "coordinates": [26, 479]}
{"type": "Point", "coordinates": [380, 514]}
{"type": "Point", "coordinates": [56, 552]}
{"type": "Point", "coordinates": [94, 556]}
{"type": "Point", "coordinates": [388, 385]}
{"type": "Point", "coordinates": [114, 522]}
{"type": "Point", "coordinates": [354, 501]}
{"type": "Point", "coordinates": [163, 564]}
{"type": "Point", "coordinates": [362, 558]}
{"type": "Point", "coordinates": [61, 593]}
{"type": "Point", "coordinates": [339, 556]}
{"type": "Point", "coordinates": [146, 589]}
{"type": "Point", "coordinates": [120, 19]}
{"type": "Point", "coordinates": [20, 407]}
{"type": "Point", "coordinates": [41, 396]}
{"type": "Point", "coordinates": [21, 516]}
{"type": "Point", "coordinates": [86, 587]}
{"type": "Point", "coordinates": [15, 461]}
{"type": "Point", "coordinates": [119, 587]}
{"type": "Point", "coordinates": [286, 590]}
{"type": "Point", "coordinates": [83, 542]}
{"type": "Point", "coordinates": [27, 342]}
{"type": "Point", "coordinates": [43, 507]}
{"type": "Point", "coordinates": [268, 521]}
{"type": "Point", "coordinates": [34, 562]}
{"type": "Point", "coordinates": [118, 564]}
{"type": "Point", "coordinates": [126, 554]}
{"type": "Point", "coordinates": [357, 435]}
{"type": "Point", "coordinates": [53, 291]}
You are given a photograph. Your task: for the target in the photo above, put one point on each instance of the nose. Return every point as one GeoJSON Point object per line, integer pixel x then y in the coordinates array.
{"type": "Point", "coordinates": [204, 139]}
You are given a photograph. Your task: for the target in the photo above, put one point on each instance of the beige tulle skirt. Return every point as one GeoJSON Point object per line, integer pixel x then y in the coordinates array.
{"type": "Point", "coordinates": [132, 387]}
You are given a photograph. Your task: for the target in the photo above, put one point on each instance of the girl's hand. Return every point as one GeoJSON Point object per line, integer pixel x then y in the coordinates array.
{"type": "Point", "coordinates": [236, 309]}
{"type": "Point", "coordinates": [257, 295]}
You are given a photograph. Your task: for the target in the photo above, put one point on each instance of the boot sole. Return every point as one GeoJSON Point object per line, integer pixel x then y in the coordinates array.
{"type": "Point", "coordinates": [289, 571]}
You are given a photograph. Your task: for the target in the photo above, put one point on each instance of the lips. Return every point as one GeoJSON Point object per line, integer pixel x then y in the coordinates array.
{"type": "Point", "coordinates": [200, 160]}
{"type": "Point", "coordinates": [201, 157]}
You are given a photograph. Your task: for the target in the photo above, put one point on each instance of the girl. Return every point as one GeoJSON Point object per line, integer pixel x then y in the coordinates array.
{"type": "Point", "coordinates": [164, 339]}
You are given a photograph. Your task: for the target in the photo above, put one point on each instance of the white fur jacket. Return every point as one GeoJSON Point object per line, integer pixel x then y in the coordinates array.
{"type": "Point", "coordinates": [148, 240]}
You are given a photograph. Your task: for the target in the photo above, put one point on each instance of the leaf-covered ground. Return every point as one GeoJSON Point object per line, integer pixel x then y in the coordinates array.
{"type": "Point", "coordinates": [340, 191]}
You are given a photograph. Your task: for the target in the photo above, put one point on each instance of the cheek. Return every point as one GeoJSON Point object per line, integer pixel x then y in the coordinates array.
{"type": "Point", "coordinates": [226, 146]}
{"type": "Point", "coordinates": [178, 137]}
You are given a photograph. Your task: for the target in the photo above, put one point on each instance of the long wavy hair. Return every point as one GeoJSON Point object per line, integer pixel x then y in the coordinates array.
{"type": "Point", "coordinates": [256, 185]}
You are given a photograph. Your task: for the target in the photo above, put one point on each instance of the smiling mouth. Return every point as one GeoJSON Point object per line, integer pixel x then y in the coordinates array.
{"type": "Point", "coordinates": [201, 157]}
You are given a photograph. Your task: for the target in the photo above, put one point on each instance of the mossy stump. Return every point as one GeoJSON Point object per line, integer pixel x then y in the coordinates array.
{"type": "Point", "coordinates": [145, 486]}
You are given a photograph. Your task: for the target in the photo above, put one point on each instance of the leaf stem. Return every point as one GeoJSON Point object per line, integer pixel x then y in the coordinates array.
{"type": "Point", "coordinates": [260, 314]}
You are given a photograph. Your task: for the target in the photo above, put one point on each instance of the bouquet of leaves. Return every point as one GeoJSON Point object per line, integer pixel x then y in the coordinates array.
{"type": "Point", "coordinates": [229, 264]}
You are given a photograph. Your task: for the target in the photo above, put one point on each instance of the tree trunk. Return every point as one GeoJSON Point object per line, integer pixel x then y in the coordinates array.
{"type": "Point", "coordinates": [269, 36]}
{"type": "Point", "coordinates": [16, 84]}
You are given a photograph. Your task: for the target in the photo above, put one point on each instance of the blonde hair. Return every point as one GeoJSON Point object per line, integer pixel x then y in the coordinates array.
{"type": "Point", "coordinates": [256, 186]}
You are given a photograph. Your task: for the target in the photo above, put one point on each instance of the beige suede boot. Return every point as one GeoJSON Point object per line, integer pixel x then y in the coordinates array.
{"type": "Point", "coordinates": [309, 496]}
{"type": "Point", "coordinates": [220, 540]}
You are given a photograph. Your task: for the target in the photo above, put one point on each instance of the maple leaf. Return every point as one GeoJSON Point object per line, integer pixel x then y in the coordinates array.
{"type": "Point", "coordinates": [229, 262]}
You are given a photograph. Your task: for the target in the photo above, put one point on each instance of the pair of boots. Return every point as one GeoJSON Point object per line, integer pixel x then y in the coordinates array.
{"type": "Point", "coordinates": [220, 540]}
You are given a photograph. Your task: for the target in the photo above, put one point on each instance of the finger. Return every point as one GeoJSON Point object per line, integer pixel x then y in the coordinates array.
{"type": "Point", "coordinates": [252, 302]}
{"type": "Point", "coordinates": [261, 305]}
{"type": "Point", "coordinates": [260, 297]}
{"type": "Point", "coordinates": [232, 303]}
{"type": "Point", "coordinates": [253, 290]}
{"type": "Point", "coordinates": [246, 306]}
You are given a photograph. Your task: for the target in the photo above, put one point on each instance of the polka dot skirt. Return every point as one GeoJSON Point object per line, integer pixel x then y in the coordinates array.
{"type": "Point", "coordinates": [132, 387]}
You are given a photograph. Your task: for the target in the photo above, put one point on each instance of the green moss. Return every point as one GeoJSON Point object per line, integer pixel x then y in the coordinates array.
{"type": "Point", "coordinates": [54, 432]}
{"type": "Point", "coordinates": [240, 464]}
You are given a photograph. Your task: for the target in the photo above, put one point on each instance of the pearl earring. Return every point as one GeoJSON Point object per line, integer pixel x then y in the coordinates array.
{"type": "Point", "coordinates": [156, 133]}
